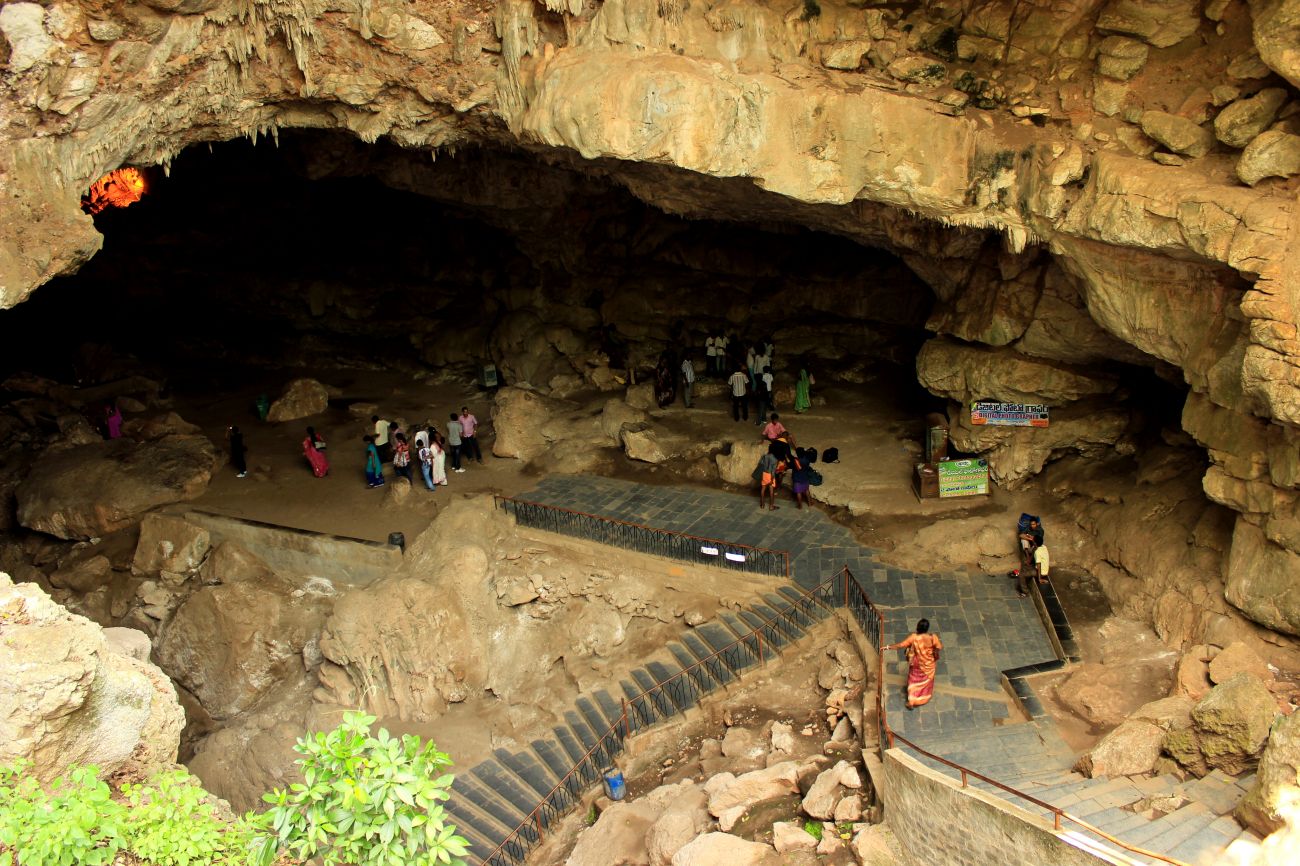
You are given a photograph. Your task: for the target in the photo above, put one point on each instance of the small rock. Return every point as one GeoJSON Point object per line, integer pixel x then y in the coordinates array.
{"type": "Point", "coordinates": [843, 731]}
{"type": "Point", "coordinates": [1238, 658]}
{"type": "Point", "coordinates": [788, 836]}
{"type": "Point", "coordinates": [1223, 94]}
{"type": "Point", "coordinates": [917, 69]}
{"type": "Point", "coordinates": [713, 849]}
{"type": "Point", "coordinates": [874, 845]}
{"type": "Point", "coordinates": [302, 398]}
{"type": "Point", "coordinates": [1168, 158]}
{"type": "Point", "coordinates": [1271, 154]}
{"type": "Point", "coordinates": [782, 737]}
{"type": "Point", "coordinates": [1249, 66]}
{"type": "Point", "coordinates": [1130, 749]}
{"type": "Point", "coordinates": [848, 809]}
{"type": "Point", "coordinates": [741, 743]}
{"type": "Point", "coordinates": [845, 55]}
{"type": "Point", "coordinates": [1120, 57]}
{"type": "Point", "coordinates": [1177, 133]}
{"type": "Point", "coordinates": [1244, 119]}
{"type": "Point", "coordinates": [105, 31]}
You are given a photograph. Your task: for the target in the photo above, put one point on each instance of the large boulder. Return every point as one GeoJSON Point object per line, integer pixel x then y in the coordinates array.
{"type": "Point", "coordinates": [731, 796]}
{"type": "Point", "coordinates": [169, 543]}
{"type": "Point", "coordinates": [302, 398]}
{"type": "Point", "coordinates": [520, 418]}
{"type": "Point", "coordinates": [397, 649]}
{"type": "Point", "coordinates": [1177, 133]}
{"type": "Point", "coordinates": [234, 643]}
{"type": "Point", "coordinates": [1270, 154]}
{"type": "Point", "coordinates": [96, 489]}
{"type": "Point", "coordinates": [649, 446]}
{"type": "Point", "coordinates": [1276, 780]}
{"type": "Point", "coordinates": [618, 838]}
{"type": "Point", "coordinates": [826, 791]}
{"type": "Point", "coordinates": [1246, 118]}
{"type": "Point", "coordinates": [1276, 28]}
{"type": "Point", "coordinates": [716, 849]}
{"type": "Point", "coordinates": [1161, 23]}
{"type": "Point", "coordinates": [1229, 728]}
{"type": "Point", "coordinates": [686, 816]}
{"type": "Point", "coordinates": [1260, 579]}
{"type": "Point", "coordinates": [616, 415]}
{"type": "Point", "coordinates": [1238, 658]}
{"type": "Point", "coordinates": [1105, 695]}
{"type": "Point", "coordinates": [1130, 749]}
{"type": "Point", "coordinates": [737, 465]}
{"type": "Point", "coordinates": [69, 697]}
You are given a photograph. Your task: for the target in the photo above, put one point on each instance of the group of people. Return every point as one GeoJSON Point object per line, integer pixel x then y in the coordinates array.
{"type": "Point", "coordinates": [751, 379]}
{"type": "Point", "coordinates": [429, 447]}
{"type": "Point", "coordinates": [1035, 559]}
{"type": "Point", "coordinates": [783, 456]}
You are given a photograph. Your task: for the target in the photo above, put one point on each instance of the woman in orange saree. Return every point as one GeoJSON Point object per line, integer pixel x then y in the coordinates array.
{"type": "Point", "coordinates": [923, 651]}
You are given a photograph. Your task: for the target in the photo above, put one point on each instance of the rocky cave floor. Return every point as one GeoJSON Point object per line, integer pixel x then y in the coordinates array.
{"type": "Point", "coordinates": [875, 423]}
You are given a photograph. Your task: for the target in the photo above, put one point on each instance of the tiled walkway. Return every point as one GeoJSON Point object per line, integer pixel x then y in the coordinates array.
{"type": "Point", "coordinates": [985, 627]}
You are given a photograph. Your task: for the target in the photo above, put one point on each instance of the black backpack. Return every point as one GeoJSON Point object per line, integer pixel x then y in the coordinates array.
{"type": "Point", "coordinates": [831, 455]}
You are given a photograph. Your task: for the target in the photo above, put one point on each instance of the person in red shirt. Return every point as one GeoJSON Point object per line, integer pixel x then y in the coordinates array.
{"type": "Point", "coordinates": [468, 435]}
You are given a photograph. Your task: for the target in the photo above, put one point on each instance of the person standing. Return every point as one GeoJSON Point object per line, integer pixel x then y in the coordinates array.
{"type": "Point", "coordinates": [422, 439]}
{"type": "Point", "coordinates": [803, 393]}
{"type": "Point", "coordinates": [439, 449]}
{"type": "Point", "coordinates": [721, 344]}
{"type": "Point", "coordinates": [469, 435]}
{"type": "Point", "coordinates": [766, 472]}
{"type": "Point", "coordinates": [766, 391]}
{"type": "Point", "coordinates": [454, 442]}
{"type": "Point", "coordinates": [801, 478]}
{"type": "Point", "coordinates": [238, 453]}
{"type": "Point", "coordinates": [923, 651]}
{"type": "Point", "coordinates": [1042, 563]}
{"type": "Point", "coordinates": [313, 448]}
{"type": "Point", "coordinates": [402, 457]}
{"type": "Point", "coordinates": [374, 466]}
{"type": "Point", "coordinates": [710, 354]}
{"type": "Point", "coordinates": [425, 456]}
{"type": "Point", "coordinates": [738, 382]}
{"type": "Point", "coordinates": [113, 420]}
{"type": "Point", "coordinates": [380, 436]}
{"type": "Point", "coordinates": [1028, 540]}
{"type": "Point", "coordinates": [688, 380]}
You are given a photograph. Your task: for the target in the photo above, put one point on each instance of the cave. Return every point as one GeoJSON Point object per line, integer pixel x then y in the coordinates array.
{"type": "Point", "coordinates": [534, 214]}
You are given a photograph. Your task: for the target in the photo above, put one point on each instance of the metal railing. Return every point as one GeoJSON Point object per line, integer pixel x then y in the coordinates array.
{"type": "Point", "coordinates": [665, 698]}
{"type": "Point", "coordinates": [647, 539]}
{"type": "Point", "coordinates": [872, 622]}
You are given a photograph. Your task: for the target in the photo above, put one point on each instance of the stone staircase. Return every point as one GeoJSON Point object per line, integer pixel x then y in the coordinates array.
{"type": "Point", "coordinates": [505, 791]}
{"type": "Point", "coordinates": [1032, 758]}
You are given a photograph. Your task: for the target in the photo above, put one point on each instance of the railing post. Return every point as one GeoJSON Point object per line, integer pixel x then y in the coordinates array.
{"type": "Point", "coordinates": [1056, 819]}
{"type": "Point", "coordinates": [627, 732]}
{"type": "Point", "coordinates": [759, 634]}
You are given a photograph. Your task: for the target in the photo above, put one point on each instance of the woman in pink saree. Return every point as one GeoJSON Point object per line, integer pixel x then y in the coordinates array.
{"type": "Point", "coordinates": [313, 448]}
{"type": "Point", "coordinates": [923, 651]}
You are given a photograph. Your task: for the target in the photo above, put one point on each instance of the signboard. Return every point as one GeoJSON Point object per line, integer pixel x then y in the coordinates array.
{"type": "Point", "coordinates": [1008, 414]}
{"type": "Point", "coordinates": [963, 478]}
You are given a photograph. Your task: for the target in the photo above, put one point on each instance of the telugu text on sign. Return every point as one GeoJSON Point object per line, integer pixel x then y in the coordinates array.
{"type": "Point", "coordinates": [963, 478]}
{"type": "Point", "coordinates": [1008, 414]}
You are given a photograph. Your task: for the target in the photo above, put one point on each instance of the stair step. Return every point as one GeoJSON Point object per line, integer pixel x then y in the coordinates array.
{"type": "Point", "coordinates": [581, 730]}
{"type": "Point", "coordinates": [559, 764]}
{"type": "Point", "coordinates": [480, 846]}
{"type": "Point", "coordinates": [698, 674]}
{"type": "Point", "coordinates": [496, 778]}
{"type": "Point", "coordinates": [648, 683]}
{"type": "Point", "coordinates": [1167, 831]}
{"type": "Point", "coordinates": [1221, 795]}
{"type": "Point", "coordinates": [680, 690]}
{"type": "Point", "coordinates": [596, 721]}
{"type": "Point", "coordinates": [720, 640]}
{"type": "Point", "coordinates": [787, 626]}
{"type": "Point", "coordinates": [495, 816]}
{"type": "Point", "coordinates": [610, 706]}
{"type": "Point", "coordinates": [641, 710]}
{"type": "Point", "coordinates": [527, 769]}
{"type": "Point", "coordinates": [569, 742]}
{"type": "Point", "coordinates": [1211, 839]}
{"type": "Point", "coordinates": [717, 671]}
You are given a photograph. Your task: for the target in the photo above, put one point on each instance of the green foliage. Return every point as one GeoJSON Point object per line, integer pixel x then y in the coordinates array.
{"type": "Point", "coordinates": [813, 829]}
{"type": "Point", "coordinates": [166, 821]}
{"type": "Point", "coordinates": [75, 822]}
{"type": "Point", "coordinates": [170, 823]}
{"type": "Point", "coordinates": [367, 801]}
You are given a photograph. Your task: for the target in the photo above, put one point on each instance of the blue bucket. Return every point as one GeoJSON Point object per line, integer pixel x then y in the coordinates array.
{"type": "Point", "coordinates": [615, 787]}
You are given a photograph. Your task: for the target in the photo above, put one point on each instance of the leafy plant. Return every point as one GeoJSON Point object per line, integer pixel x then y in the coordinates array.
{"type": "Point", "coordinates": [813, 829]}
{"type": "Point", "coordinates": [171, 823]}
{"type": "Point", "coordinates": [364, 801]}
{"type": "Point", "coordinates": [75, 822]}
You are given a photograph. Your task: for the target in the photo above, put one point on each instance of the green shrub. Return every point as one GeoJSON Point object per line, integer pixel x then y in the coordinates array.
{"type": "Point", "coordinates": [166, 821]}
{"type": "Point", "coordinates": [170, 823]}
{"type": "Point", "coordinates": [813, 829]}
{"type": "Point", "coordinates": [364, 801]}
{"type": "Point", "coordinates": [75, 822]}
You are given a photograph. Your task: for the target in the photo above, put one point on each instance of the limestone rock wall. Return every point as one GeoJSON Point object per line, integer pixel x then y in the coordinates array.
{"type": "Point", "coordinates": [1136, 163]}
{"type": "Point", "coordinates": [72, 695]}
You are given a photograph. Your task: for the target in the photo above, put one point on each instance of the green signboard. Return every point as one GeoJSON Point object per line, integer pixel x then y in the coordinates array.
{"type": "Point", "coordinates": [963, 478]}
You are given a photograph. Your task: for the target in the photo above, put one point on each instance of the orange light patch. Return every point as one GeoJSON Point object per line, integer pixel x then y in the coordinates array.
{"type": "Point", "coordinates": [119, 188]}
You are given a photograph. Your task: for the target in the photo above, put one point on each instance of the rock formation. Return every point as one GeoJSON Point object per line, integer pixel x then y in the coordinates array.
{"type": "Point", "coordinates": [76, 694]}
{"type": "Point", "coordinates": [1071, 197]}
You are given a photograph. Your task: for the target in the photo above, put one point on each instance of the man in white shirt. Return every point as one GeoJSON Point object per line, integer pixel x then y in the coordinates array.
{"type": "Point", "coordinates": [739, 381]}
{"type": "Point", "coordinates": [688, 379]}
{"type": "Point", "coordinates": [381, 437]}
{"type": "Point", "coordinates": [721, 344]}
{"type": "Point", "coordinates": [710, 355]}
